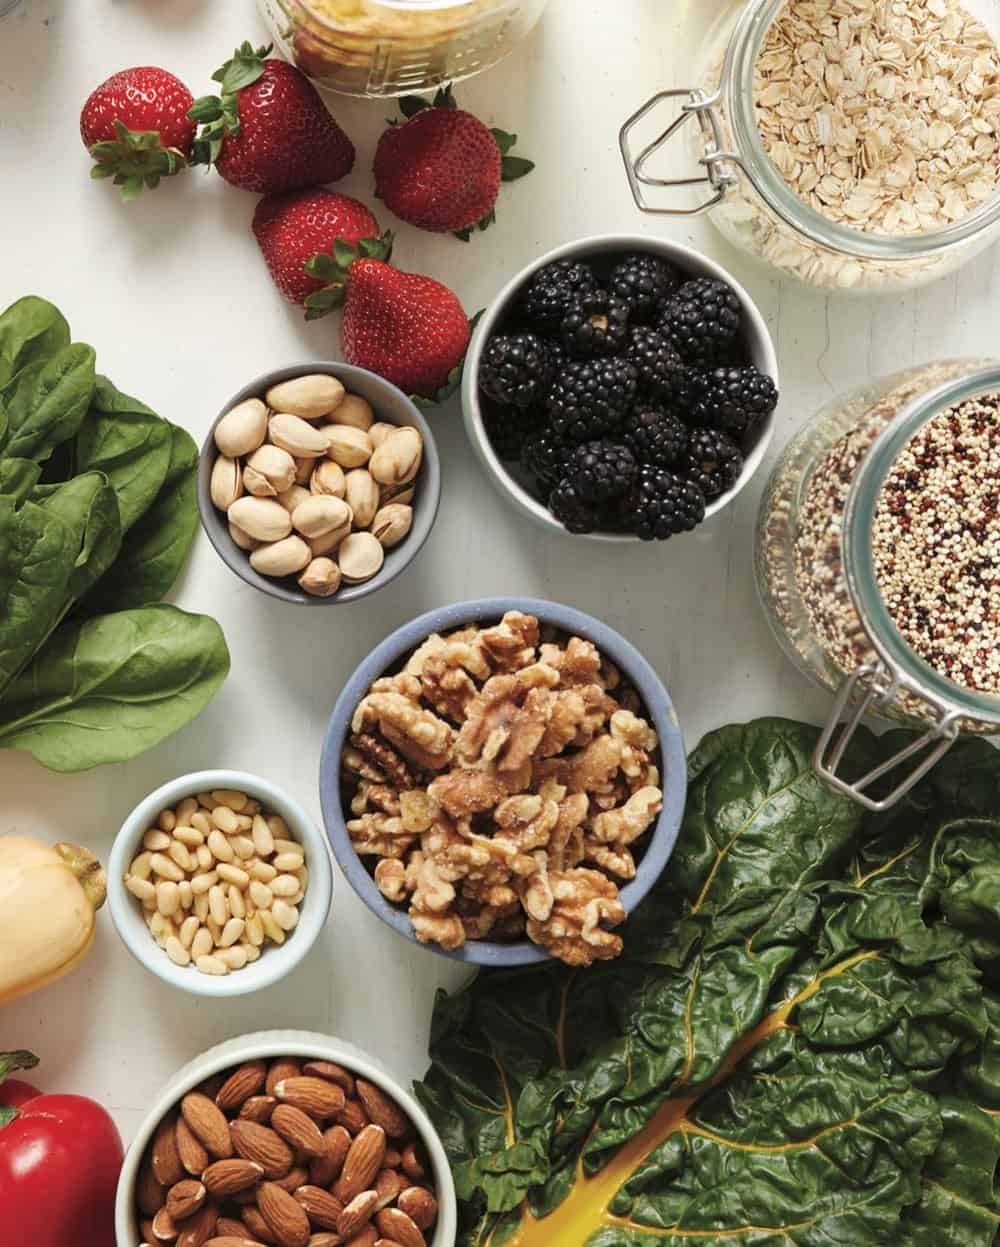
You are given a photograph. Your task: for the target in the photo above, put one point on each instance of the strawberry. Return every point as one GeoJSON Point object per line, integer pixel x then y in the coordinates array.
{"type": "Point", "coordinates": [291, 229]}
{"type": "Point", "coordinates": [407, 328]}
{"type": "Point", "coordinates": [268, 130]}
{"type": "Point", "coordinates": [136, 127]}
{"type": "Point", "coordinates": [442, 169]}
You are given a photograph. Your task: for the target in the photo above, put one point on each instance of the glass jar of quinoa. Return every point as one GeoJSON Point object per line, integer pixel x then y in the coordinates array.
{"type": "Point", "coordinates": [392, 47]}
{"type": "Point", "coordinates": [878, 560]}
{"type": "Point", "coordinates": [852, 144]}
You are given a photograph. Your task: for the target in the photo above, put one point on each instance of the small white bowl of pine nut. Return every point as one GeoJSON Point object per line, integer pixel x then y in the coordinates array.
{"type": "Point", "coordinates": [219, 883]}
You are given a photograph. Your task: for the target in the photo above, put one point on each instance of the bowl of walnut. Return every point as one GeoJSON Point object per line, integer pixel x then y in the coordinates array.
{"type": "Point", "coordinates": [503, 781]}
{"type": "Point", "coordinates": [285, 1137]}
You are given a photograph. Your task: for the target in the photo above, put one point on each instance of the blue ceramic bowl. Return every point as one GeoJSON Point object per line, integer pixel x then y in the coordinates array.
{"type": "Point", "coordinates": [397, 647]}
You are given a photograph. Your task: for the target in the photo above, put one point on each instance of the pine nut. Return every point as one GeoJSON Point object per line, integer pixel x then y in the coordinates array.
{"type": "Point", "coordinates": [142, 866]}
{"type": "Point", "coordinates": [244, 847]}
{"type": "Point", "coordinates": [205, 801]}
{"type": "Point", "coordinates": [202, 883]}
{"type": "Point", "coordinates": [214, 929]}
{"type": "Point", "coordinates": [231, 932]}
{"type": "Point", "coordinates": [285, 915]}
{"type": "Point", "coordinates": [167, 820]}
{"type": "Point", "coordinates": [263, 872]}
{"type": "Point", "coordinates": [234, 957]}
{"type": "Point", "coordinates": [189, 929]}
{"type": "Point", "coordinates": [251, 808]}
{"type": "Point", "coordinates": [233, 874]}
{"type": "Point", "coordinates": [255, 930]}
{"type": "Point", "coordinates": [201, 821]}
{"type": "Point", "coordinates": [285, 886]}
{"type": "Point", "coordinates": [149, 903]}
{"type": "Point", "coordinates": [166, 868]}
{"type": "Point", "coordinates": [279, 828]}
{"type": "Point", "coordinates": [252, 952]}
{"type": "Point", "coordinates": [237, 905]}
{"type": "Point", "coordinates": [211, 965]}
{"type": "Point", "coordinates": [286, 845]}
{"type": "Point", "coordinates": [200, 906]}
{"type": "Point", "coordinates": [203, 856]}
{"type": "Point", "coordinates": [201, 943]}
{"type": "Point", "coordinates": [271, 928]}
{"type": "Point", "coordinates": [288, 861]}
{"type": "Point", "coordinates": [217, 906]}
{"type": "Point", "coordinates": [155, 840]}
{"type": "Point", "coordinates": [179, 852]}
{"type": "Point", "coordinates": [187, 896]}
{"type": "Point", "coordinates": [168, 899]}
{"type": "Point", "coordinates": [190, 836]}
{"type": "Point", "coordinates": [161, 928]}
{"type": "Point", "coordinates": [263, 841]}
{"type": "Point", "coordinates": [141, 888]}
{"type": "Point", "coordinates": [229, 797]}
{"type": "Point", "coordinates": [224, 818]}
{"type": "Point", "coordinates": [176, 951]}
{"type": "Point", "coordinates": [220, 847]}
{"type": "Point", "coordinates": [261, 895]}
{"type": "Point", "coordinates": [186, 808]}
{"type": "Point", "coordinates": [244, 822]}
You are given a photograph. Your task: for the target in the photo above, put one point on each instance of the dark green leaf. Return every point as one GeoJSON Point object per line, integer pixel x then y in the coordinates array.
{"type": "Point", "coordinates": [18, 477]}
{"type": "Point", "coordinates": [30, 329]}
{"type": "Point", "coordinates": [514, 167]}
{"type": "Point", "coordinates": [504, 140]}
{"type": "Point", "coordinates": [410, 105]}
{"type": "Point", "coordinates": [45, 403]}
{"type": "Point", "coordinates": [11, 1062]}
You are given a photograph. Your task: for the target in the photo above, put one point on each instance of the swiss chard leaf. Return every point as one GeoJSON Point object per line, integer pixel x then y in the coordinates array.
{"type": "Point", "coordinates": [799, 1048]}
{"type": "Point", "coordinates": [106, 689]}
{"type": "Point", "coordinates": [30, 329]}
{"type": "Point", "coordinates": [46, 402]}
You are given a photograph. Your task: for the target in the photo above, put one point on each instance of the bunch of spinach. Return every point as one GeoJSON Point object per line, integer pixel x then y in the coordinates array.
{"type": "Point", "coordinates": [801, 1045]}
{"type": "Point", "coordinates": [98, 510]}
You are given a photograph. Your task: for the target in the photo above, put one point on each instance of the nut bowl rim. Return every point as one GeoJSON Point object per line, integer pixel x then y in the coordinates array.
{"type": "Point", "coordinates": [403, 641]}
{"type": "Point", "coordinates": [275, 963]}
{"type": "Point", "coordinates": [425, 504]}
{"type": "Point", "coordinates": [270, 1043]}
{"type": "Point", "coordinates": [691, 262]}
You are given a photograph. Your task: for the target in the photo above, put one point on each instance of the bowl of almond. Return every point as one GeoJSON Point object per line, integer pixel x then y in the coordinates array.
{"type": "Point", "coordinates": [288, 1138]}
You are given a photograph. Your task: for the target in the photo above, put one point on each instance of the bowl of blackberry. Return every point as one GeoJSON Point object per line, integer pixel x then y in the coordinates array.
{"type": "Point", "coordinates": [621, 388]}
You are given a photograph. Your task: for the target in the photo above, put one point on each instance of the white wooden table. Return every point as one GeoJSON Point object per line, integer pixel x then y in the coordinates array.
{"type": "Point", "coordinates": [174, 296]}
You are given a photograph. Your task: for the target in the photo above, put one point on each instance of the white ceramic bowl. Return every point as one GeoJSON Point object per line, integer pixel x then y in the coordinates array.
{"type": "Point", "coordinates": [756, 338]}
{"type": "Point", "coordinates": [274, 962]}
{"type": "Point", "coordinates": [265, 1044]}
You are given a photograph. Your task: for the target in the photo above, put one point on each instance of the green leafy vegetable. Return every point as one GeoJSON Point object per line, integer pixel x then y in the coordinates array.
{"type": "Point", "coordinates": [800, 1047]}
{"type": "Point", "coordinates": [45, 403]}
{"type": "Point", "coordinates": [30, 329]}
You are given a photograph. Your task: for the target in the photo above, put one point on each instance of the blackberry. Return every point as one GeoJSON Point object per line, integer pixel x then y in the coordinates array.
{"type": "Point", "coordinates": [516, 369]}
{"type": "Point", "coordinates": [595, 324]}
{"type": "Point", "coordinates": [730, 399]}
{"type": "Point", "coordinates": [655, 436]}
{"type": "Point", "coordinates": [713, 462]}
{"type": "Point", "coordinates": [507, 428]}
{"type": "Point", "coordinates": [572, 510]}
{"type": "Point", "coordinates": [591, 398]}
{"type": "Point", "coordinates": [701, 319]}
{"type": "Point", "coordinates": [660, 505]}
{"type": "Point", "coordinates": [658, 363]}
{"type": "Point", "coordinates": [643, 281]}
{"type": "Point", "coordinates": [553, 289]}
{"type": "Point", "coordinates": [544, 457]}
{"type": "Point", "coordinates": [602, 470]}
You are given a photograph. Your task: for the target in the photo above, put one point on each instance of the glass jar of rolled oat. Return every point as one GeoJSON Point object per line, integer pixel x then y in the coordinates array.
{"type": "Point", "coordinates": [852, 145]}
{"type": "Point", "coordinates": [392, 47]}
{"type": "Point", "coordinates": [878, 562]}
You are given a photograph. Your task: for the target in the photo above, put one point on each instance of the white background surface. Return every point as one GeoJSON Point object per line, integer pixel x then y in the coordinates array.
{"type": "Point", "coordinates": [176, 299]}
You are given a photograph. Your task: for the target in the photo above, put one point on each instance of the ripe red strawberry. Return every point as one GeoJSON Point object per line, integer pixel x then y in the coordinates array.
{"type": "Point", "coordinates": [292, 229]}
{"type": "Point", "coordinates": [268, 130]}
{"type": "Point", "coordinates": [136, 127]}
{"type": "Point", "coordinates": [442, 169]}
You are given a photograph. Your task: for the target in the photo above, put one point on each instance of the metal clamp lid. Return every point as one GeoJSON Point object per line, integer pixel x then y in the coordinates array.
{"type": "Point", "coordinates": [876, 686]}
{"type": "Point", "coordinates": [717, 175]}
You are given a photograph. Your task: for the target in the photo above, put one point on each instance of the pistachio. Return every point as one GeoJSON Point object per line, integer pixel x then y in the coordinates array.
{"type": "Point", "coordinates": [362, 496]}
{"type": "Point", "coordinates": [310, 397]}
{"type": "Point", "coordinates": [397, 460]}
{"type": "Point", "coordinates": [379, 432]}
{"type": "Point", "coordinates": [292, 496]}
{"type": "Point", "coordinates": [242, 539]}
{"type": "Point", "coordinates": [304, 470]}
{"type": "Point", "coordinates": [397, 493]}
{"type": "Point", "coordinates": [392, 523]}
{"type": "Point", "coordinates": [328, 478]}
{"type": "Point", "coordinates": [226, 482]}
{"type": "Point", "coordinates": [242, 430]}
{"type": "Point", "coordinates": [320, 514]}
{"type": "Point", "coordinates": [321, 578]}
{"type": "Point", "coordinates": [329, 541]}
{"type": "Point", "coordinates": [355, 411]}
{"type": "Point", "coordinates": [293, 434]}
{"type": "Point", "coordinates": [360, 556]}
{"type": "Point", "coordinates": [271, 471]}
{"type": "Point", "coordinates": [351, 448]}
{"type": "Point", "coordinates": [281, 558]}
{"type": "Point", "coordinates": [261, 518]}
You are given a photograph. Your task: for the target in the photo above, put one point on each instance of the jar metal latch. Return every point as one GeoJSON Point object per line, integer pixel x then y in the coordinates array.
{"type": "Point", "coordinates": [717, 162]}
{"type": "Point", "coordinates": [876, 686]}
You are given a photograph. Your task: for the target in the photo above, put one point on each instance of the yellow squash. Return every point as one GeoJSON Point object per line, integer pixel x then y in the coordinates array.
{"type": "Point", "coordinates": [49, 895]}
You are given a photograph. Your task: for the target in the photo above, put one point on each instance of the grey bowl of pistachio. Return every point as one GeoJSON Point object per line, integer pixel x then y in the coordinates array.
{"type": "Point", "coordinates": [319, 483]}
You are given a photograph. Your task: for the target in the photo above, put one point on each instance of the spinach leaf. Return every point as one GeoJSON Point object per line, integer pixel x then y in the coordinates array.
{"type": "Point", "coordinates": [800, 1046]}
{"type": "Point", "coordinates": [30, 329]}
{"type": "Point", "coordinates": [18, 477]}
{"type": "Point", "coordinates": [46, 402]}
{"type": "Point", "coordinates": [106, 689]}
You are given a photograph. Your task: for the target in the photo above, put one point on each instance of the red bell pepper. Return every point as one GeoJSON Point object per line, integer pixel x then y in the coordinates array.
{"type": "Point", "coordinates": [60, 1156]}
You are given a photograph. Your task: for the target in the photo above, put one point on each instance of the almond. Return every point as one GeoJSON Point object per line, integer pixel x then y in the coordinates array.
{"type": "Point", "coordinates": [382, 1111]}
{"type": "Point", "coordinates": [229, 1227]}
{"type": "Point", "coordinates": [146, 1230]}
{"type": "Point", "coordinates": [229, 1177]}
{"type": "Point", "coordinates": [258, 1108]}
{"type": "Point", "coordinates": [323, 1239]}
{"type": "Point", "coordinates": [165, 1228]}
{"type": "Point", "coordinates": [326, 1167]}
{"type": "Point", "coordinates": [393, 1159]}
{"type": "Point", "coordinates": [231, 1240]}
{"type": "Point", "coordinates": [385, 1242]}
{"type": "Point", "coordinates": [284, 1067]}
{"type": "Point", "coordinates": [293, 1179]}
{"type": "Point", "coordinates": [150, 1195]}
{"type": "Point", "coordinates": [419, 1205]}
{"type": "Point", "coordinates": [357, 1214]}
{"type": "Point", "coordinates": [185, 1198]}
{"type": "Point", "coordinates": [261, 1145]}
{"type": "Point", "coordinates": [365, 1238]}
{"type": "Point", "coordinates": [353, 1117]}
{"type": "Point", "coordinates": [211, 1086]}
{"type": "Point", "coordinates": [414, 1162]}
{"type": "Point", "coordinates": [258, 1227]}
{"type": "Point", "coordinates": [193, 1156]}
{"type": "Point", "coordinates": [167, 1167]}
{"type": "Point", "coordinates": [286, 1218]}
{"type": "Point", "coordinates": [389, 1184]}
{"type": "Point", "coordinates": [394, 1224]}
{"type": "Point", "coordinates": [322, 1208]}
{"type": "Point", "coordinates": [314, 1096]}
{"type": "Point", "coordinates": [298, 1130]}
{"type": "Point", "coordinates": [363, 1162]}
{"type": "Point", "coordinates": [207, 1124]}
{"type": "Point", "coordinates": [241, 1085]}
{"type": "Point", "coordinates": [332, 1073]}
{"type": "Point", "coordinates": [199, 1228]}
